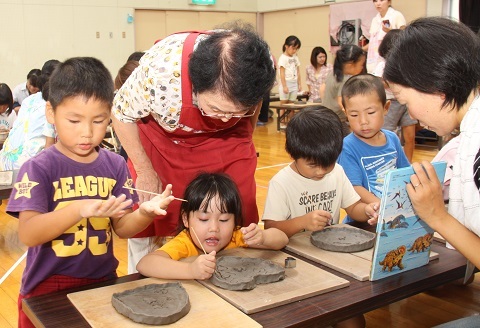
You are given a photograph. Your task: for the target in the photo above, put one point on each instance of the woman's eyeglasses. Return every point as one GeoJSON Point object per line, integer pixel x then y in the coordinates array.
{"type": "Point", "coordinates": [227, 115]}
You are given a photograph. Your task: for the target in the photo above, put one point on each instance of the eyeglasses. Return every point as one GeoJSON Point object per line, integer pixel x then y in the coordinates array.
{"type": "Point", "coordinates": [227, 115]}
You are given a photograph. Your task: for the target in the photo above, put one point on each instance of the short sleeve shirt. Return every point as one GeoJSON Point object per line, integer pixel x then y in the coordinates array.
{"type": "Point", "coordinates": [182, 245]}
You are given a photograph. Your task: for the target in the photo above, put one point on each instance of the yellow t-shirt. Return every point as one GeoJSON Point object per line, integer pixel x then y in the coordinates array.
{"type": "Point", "coordinates": [182, 245]}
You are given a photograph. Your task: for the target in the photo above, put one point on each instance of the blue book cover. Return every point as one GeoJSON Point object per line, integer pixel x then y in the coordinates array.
{"type": "Point", "coordinates": [403, 240]}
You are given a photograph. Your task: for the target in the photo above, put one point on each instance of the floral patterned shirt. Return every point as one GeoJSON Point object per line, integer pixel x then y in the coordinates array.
{"type": "Point", "coordinates": [154, 87]}
{"type": "Point", "coordinates": [315, 80]}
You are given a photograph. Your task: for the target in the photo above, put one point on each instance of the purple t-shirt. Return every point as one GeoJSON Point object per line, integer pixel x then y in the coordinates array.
{"type": "Point", "coordinates": [50, 181]}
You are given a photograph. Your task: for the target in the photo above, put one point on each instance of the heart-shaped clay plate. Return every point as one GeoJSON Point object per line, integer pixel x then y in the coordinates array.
{"type": "Point", "coordinates": [244, 273]}
{"type": "Point", "coordinates": [154, 304]}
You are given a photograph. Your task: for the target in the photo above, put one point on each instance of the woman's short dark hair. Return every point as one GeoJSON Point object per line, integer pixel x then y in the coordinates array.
{"type": "Point", "coordinates": [313, 57]}
{"type": "Point", "coordinates": [236, 63]}
{"type": "Point", "coordinates": [205, 187]}
{"type": "Point", "coordinates": [388, 41]}
{"type": "Point", "coordinates": [436, 55]}
{"type": "Point", "coordinates": [315, 134]}
{"type": "Point", "coordinates": [6, 97]}
{"type": "Point", "coordinates": [346, 53]}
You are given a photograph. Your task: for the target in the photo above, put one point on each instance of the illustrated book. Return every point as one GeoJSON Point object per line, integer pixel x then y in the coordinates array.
{"type": "Point", "coordinates": [403, 240]}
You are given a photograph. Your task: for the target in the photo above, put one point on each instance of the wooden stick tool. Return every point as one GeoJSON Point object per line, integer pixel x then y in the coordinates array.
{"type": "Point", "coordinates": [198, 239]}
{"type": "Point", "coordinates": [153, 193]}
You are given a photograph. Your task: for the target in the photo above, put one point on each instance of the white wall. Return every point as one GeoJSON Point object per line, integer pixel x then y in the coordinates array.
{"type": "Point", "coordinates": [34, 31]}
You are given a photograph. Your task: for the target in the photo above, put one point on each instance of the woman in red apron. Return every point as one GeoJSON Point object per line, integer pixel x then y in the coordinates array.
{"type": "Point", "coordinates": [182, 132]}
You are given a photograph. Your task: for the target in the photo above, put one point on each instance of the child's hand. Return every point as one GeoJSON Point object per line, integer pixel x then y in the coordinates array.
{"type": "Point", "coordinates": [317, 220]}
{"type": "Point", "coordinates": [285, 89]}
{"type": "Point", "coordinates": [204, 266]}
{"type": "Point", "coordinates": [371, 210]}
{"type": "Point", "coordinates": [158, 204]}
{"type": "Point", "coordinates": [114, 207]}
{"type": "Point", "coordinates": [253, 235]}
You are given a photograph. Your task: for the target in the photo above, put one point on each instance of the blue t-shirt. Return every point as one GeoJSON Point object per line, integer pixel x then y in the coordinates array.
{"type": "Point", "coordinates": [367, 165]}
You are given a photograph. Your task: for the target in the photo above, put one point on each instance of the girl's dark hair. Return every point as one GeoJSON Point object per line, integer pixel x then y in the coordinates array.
{"type": "Point", "coordinates": [313, 57]}
{"type": "Point", "coordinates": [6, 97]}
{"type": "Point", "coordinates": [85, 77]}
{"type": "Point", "coordinates": [32, 77]}
{"type": "Point", "coordinates": [388, 41]}
{"type": "Point", "coordinates": [235, 63]}
{"type": "Point", "coordinates": [347, 53]}
{"type": "Point", "coordinates": [291, 40]}
{"type": "Point", "coordinates": [204, 188]}
{"type": "Point", "coordinates": [436, 55]}
{"type": "Point", "coordinates": [42, 80]}
{"type": "Point", "coordinates": [124, 72]}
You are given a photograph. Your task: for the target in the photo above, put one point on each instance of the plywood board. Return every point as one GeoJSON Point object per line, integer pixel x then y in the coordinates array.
{"type": "Point", "coordinates": [356, 265]}
{"type": "Point", "coordinates": [303, 281]}
{"type": "Point", "coordinates": [96, 307]}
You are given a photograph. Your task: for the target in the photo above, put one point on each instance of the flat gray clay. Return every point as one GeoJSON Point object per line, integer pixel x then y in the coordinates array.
{"type": "Point", "coordinates": [245, 273]}
{"type": "Point", "coordinates": [346, 239]}
{"type": "Point", "coordinates": [154, 304]}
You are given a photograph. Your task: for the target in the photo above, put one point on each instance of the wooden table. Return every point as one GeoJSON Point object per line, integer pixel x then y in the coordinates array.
{"type": "Point", "coordinates": [55, 310]}
{"type": "Point", "coordinates": [287, 109]}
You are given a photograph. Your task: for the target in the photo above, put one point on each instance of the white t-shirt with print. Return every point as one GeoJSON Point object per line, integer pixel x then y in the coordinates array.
{"type": "Point", "coordinates": [290, 195]}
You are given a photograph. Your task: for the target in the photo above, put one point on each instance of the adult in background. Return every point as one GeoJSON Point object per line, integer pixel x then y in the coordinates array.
{"type": "Point", "coordinates": [196, 98]}
{"type": "Point", "coordinates": [434, 68]}
{"type": "Point", "coordinates": [27, 88]}
{"type": "Point", "coordinates": [317, 72]}
{"type": "Point", "coordinates": [397, 114]}
{"type": "Point", "coordinates": [387, 19]}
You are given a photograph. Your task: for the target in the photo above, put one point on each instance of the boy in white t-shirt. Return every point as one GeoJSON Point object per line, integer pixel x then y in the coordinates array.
{"type": "Point", "coordinates": [309, 193]}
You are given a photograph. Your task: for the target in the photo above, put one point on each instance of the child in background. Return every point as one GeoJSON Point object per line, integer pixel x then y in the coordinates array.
{"type": "Point", "coordinates": [308, 193]}
{"type": "Point", "coordinates": [289, 69]}
{"type": "Point", "coordinates": [369, 152]}
{"type": "Point", "coordinates": [7, 114]}
{"type": "Point", "coordinates": [317, 72]}
{"type": "Point", "coordinates": [211, 220]}
{"type": "Point", "coordinates": [70, 197]}
{"type": "Point", "coordinates": [349, 60]}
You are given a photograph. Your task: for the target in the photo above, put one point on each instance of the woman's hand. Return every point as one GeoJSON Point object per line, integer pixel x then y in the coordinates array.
{"type": "Point", "coordinates": [426, 194]}
{"type": "Point", "coordinates": [147, 180]}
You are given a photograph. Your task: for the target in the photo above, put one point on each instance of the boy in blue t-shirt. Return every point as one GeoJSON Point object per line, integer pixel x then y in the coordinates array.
{"type": "Point", "coordinates": [369, 152]}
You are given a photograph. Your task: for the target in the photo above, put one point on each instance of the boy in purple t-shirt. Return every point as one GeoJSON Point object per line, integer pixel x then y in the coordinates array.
{"type": "Point", "coordinates": [70, 197]}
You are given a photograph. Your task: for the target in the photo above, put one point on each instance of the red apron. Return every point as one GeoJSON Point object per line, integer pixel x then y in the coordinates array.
{"type": "Point", "coordinates": [180, 155]}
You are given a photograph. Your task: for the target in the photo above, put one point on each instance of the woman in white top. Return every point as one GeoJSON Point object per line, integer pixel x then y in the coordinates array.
{"type": "Point", "coordinates": [387, 19]}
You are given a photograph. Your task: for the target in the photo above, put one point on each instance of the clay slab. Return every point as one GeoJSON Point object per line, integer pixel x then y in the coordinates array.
{"type": "Point", "coordinates": [154, 304]}
{"type": "Point", "coordinates": [244, 273]}
{"type": "Point", "coordinates": [343, 238]}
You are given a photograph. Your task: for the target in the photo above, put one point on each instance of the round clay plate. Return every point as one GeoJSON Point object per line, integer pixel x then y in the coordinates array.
{"type": "Point", "coordinates": [244, 273]}
{"type": "Point", "coordinates": [155, 304]}
{"type": "Point", "coordinates": [343, 238]}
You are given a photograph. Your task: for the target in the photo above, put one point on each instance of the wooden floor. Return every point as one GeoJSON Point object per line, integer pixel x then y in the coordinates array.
{"type": "Point", "coordinates": [423, 310]}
